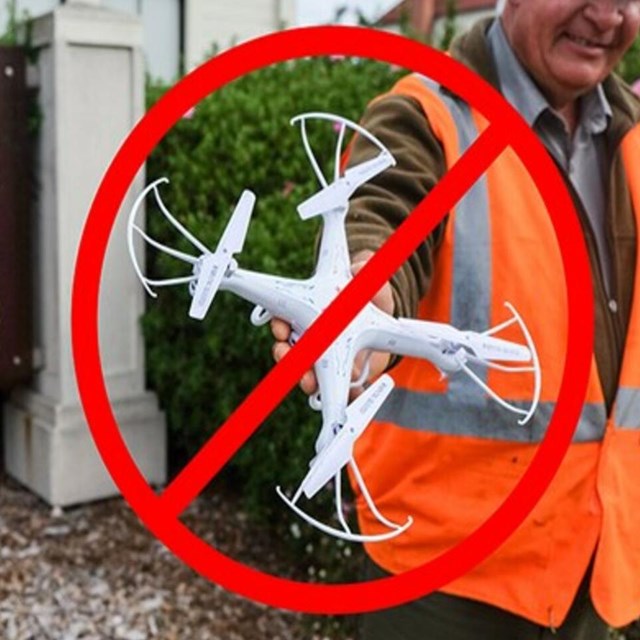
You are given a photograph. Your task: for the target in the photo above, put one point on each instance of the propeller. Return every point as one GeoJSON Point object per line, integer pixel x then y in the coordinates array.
{"type": "Point", "coordinates": [339, 451]}
{"type": "Point", "coordinates": [337, 454]}
{"type": "Point", "coordinates": [211, 267]}
{"type": "Point", "coordinates": [336, 194]}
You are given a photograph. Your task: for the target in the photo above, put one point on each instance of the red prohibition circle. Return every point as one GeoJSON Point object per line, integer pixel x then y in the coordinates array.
{"type": "Point", "coordinates": [161, 513]}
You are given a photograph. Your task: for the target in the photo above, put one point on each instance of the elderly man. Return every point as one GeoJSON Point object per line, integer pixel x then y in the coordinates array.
{"type": "Point", "coordinates": [573, 567]}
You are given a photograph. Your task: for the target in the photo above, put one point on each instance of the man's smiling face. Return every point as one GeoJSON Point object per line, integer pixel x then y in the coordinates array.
{"type": "Point", "coordinates": [569, 46]}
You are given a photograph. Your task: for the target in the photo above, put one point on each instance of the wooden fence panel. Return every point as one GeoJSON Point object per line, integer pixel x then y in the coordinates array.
{"type": "Point", "coordinates": [16, 306]}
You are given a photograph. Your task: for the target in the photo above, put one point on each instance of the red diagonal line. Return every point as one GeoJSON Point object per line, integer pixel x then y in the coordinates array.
{"type": "Point", "coordinates": [268, 394]}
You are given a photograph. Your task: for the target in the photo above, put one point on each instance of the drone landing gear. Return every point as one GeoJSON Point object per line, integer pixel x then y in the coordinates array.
{"type": "Point", "coordinates": [335, 456]}
{"type": "Point", "coordinates": [394, 529]}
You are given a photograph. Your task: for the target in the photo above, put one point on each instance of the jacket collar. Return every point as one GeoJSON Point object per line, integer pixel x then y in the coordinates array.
{"type": "Point", "coordinates": [471, 49]}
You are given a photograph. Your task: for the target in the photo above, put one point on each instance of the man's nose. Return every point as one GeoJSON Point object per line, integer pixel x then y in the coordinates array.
{"type": "Point", "coordinates": [605, 14]}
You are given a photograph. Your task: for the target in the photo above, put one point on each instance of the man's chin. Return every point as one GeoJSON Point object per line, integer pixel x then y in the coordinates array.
{"type": "Point", "coordinates": [580, 81]}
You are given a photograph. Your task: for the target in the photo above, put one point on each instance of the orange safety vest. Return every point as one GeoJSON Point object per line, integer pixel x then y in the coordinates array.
{"type": "Point", "coordinates": [444, 453]}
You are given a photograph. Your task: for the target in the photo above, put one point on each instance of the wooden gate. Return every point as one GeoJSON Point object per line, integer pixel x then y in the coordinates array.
{"type": "Point", "coordinates": [16, 323]}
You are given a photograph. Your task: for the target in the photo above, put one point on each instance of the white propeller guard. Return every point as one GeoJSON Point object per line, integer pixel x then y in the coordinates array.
{"type": "Point", "coordinates": [133, 227]}
{"type": "Point", "coordinates": [340, 450]}
{"type": "Point", "coordinates": [535, 368]}
{"type": "Point", "coordinates": [337, 194]}
{"type": "Point", "coordinates": [455, 349]}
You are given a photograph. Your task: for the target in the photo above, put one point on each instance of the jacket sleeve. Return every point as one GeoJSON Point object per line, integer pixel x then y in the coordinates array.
{"type": "Point", "coordinates": [380, 205]}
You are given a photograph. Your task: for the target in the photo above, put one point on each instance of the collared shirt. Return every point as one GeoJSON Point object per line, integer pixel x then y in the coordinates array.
{"type": "Point", "coordinates": [583, 157]}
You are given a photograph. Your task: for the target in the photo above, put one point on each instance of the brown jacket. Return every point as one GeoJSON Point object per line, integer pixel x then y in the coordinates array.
{"type": "Point", "coordinates": [380, 205]}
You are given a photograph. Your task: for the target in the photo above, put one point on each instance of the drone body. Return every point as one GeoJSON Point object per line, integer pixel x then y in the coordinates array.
{"type": "Point", "coordinates": [300, 302]}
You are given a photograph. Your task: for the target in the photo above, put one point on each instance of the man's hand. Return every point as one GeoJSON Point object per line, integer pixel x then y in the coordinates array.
{"type": "Point", "coordinates": [378, 361]}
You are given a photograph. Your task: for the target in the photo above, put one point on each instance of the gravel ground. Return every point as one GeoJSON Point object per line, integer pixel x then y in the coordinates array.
{"type": "Point", "coordinates": [94, 572]}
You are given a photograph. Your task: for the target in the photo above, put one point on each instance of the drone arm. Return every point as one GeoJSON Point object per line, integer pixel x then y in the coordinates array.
{"type": "Point", "coordinates": [278, 297]}
{"type": "Point", "coordinates": [333, 372]}
{"type": "Point", "coordinates": [437, 341]}
{"type": "Point", "coordinates": [333, 255]}
{"type": "Point", "coordinates": [399, 336]}
{"type": "Point", "coordinates": [451, 350]}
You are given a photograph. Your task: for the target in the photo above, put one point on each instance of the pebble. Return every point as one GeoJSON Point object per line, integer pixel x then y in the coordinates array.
{"type": "Point", "coordinates": [93, 573]}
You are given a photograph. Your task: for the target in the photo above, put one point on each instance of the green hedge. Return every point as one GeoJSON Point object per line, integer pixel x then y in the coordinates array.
{"type": "Point", "coordinates": [239, 138]}
{"type": "Point", "coordinates": [629, 68]}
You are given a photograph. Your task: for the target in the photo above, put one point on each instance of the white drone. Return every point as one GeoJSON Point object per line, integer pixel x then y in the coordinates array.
{"type": "Point", "coordinates": [300, 302]}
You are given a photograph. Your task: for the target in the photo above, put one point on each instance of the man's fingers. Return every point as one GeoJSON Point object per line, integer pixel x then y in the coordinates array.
{"type": "Point", "coordinates": [279, 350]}
{"type": "Point", "coordinates": [378, 362]}
{"type": "Point", "coordinates": [383, 299]}
{"type": "Point", "coordinates": [308, 382]}
{"type": "Point", "coordinates": [280, 329]}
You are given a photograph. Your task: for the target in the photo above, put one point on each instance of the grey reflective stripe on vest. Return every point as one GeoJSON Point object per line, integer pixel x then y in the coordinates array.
{"type": "Point", "coordinates": [440, 413]}
{"type": "Point", "coordinates": [466, 409]}
{"type": "Point", "coordinates": [627, 408]}
{"type": "Point", "coordinates": [471, 294]}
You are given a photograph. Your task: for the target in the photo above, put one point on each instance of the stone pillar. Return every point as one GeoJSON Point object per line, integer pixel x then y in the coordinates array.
{"type": "Point", "coordinates": [91, 87]}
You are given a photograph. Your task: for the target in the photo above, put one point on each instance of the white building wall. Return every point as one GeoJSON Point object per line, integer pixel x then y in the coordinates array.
{"type": "Point", "coordinates": [207, 22]}
{"type": "Point", "coordinates": [160, 22]}
{"type": "Point", "coordinates": [31, 7]}
{"type": "Point", "coordinates": [210, 23]}
{"type": "Point", "coordinates": [161, 27]}
{"type": "Point", "coordinates": [126, 6]}
{"type": "Point", "coordinates": [161, 32]}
